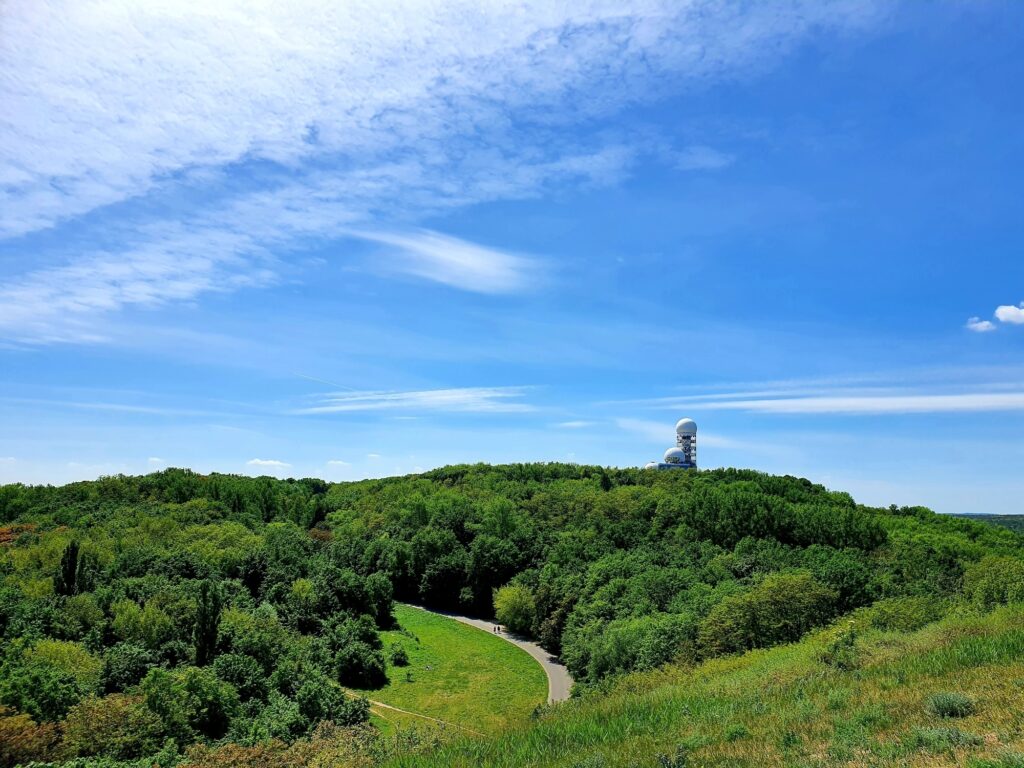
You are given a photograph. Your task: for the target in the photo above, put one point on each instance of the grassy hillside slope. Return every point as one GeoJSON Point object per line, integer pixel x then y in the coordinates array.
{"type": "Point", "coordinates": [211, 620]}
{"type": "Point", "coordinates": [458, 674]}
{"type": "Point", "coordinates": [854, 694]}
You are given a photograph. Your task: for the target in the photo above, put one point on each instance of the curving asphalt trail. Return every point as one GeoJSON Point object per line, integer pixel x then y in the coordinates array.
{"type": "Point", "coordinates": [559, 679]}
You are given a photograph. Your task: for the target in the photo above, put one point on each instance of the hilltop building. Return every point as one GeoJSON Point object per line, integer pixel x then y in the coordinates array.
{"type": "Point", "coordinates": [684, 454]}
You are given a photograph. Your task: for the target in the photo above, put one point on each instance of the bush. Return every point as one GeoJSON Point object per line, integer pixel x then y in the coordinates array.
{"type": "Point", "coordinates": [280, 719]}
{"type": "Point", "coordinates": [994, 581]}
{"type": "Point", "coordinates": [243, 672]}
{"type": "Point", "coordinates": [780, 609]}
{"type": "Point", "coordinates": [41, 691]}
{"type": "Point", "coordinates": [22, 740]}
{"type": "Point", "coordinates": [736, 731]}
{"type": "Point", "coordinates": [398, 656]}
{"type": "Point", "coordinates": [320, 699]}
{"type": "Point", "coordinates": [514, 607]}
{"type": "Point", "coordinates": [906, 614]}
{"type": "Point", "coordinates": [942, 739]}
{"type": "Point", "coordinates": [190, 701]}
{"type": "Point", "coordinates": [950, 705]}
{"type": "Point", "coordinates": [842, 652]}
{"type": "Point", "coordinates": [115, 726]}
{"type": "Point", "coordinates": [360, 666]}
{"type": "Point", "coordinates": [124, 665]}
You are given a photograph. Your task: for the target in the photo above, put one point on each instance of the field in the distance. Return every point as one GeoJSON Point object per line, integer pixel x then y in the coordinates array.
{"type": "Point", "coordinates": [457, 674]}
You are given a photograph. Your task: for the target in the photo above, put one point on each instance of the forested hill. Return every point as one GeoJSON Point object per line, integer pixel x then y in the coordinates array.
{"type": "Point", "coordinates": [179, 608]}
{"type": "Point", "coordinates": [1013, 522]}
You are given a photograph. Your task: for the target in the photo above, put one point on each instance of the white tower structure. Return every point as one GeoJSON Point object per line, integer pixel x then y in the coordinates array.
{"type": "Point", "coordinates": [686, 440]}
{"type": "Point", "coordinates": [684, 454]}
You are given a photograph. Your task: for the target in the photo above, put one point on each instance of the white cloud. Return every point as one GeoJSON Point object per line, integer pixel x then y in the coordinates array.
{"type": "Point", "coordinates": [342, 115]}
{"type": "Point", "coordinates": [338, 463]}
{"type": "Point", "coordinates": [579, 424]}
{"type": "Point", "coordinates": [61, 303]}
{"type": "Point", "coordinates": [455, 262]}
{"type": "Point", "coordinates": [7, 459]}
{"type": "Point", "coordinates": [663, 431]}
{"type": "Point", "coordinates": [373, 456]}
{"type": "Point", "coordinates": [1011, 314]}
{"type": "Point", "coordinates": [875, 404]}
{"type": "Point", "coordinates": [155, 461]}
{"type": "Point", "coordinates": [466, 399]}
{"type": "Point", "coordinates": [978, 325]}
{"type": "Point", "coordinates": [268, 463]}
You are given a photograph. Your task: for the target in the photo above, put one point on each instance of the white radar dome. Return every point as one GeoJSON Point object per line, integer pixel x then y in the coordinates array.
{"type": "Point", "coordinates": [674, 456]}
{"type": "Point", "coordinates": [686, 427]}
{"type": "Point", "coordinates": [651, 465]}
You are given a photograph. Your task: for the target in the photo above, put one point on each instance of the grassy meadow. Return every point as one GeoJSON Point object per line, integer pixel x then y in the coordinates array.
{"type": "Point", "coordinates": [458, 674]}
{"type": "Point", "coordinates": [950, 693]}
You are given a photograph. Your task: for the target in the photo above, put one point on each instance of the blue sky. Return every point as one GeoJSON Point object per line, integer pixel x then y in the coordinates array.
{"type": "Point", "coordinates": [349, 240]}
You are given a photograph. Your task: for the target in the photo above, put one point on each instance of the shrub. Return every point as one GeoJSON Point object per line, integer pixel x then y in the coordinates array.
{"type": "Point", "coordinates": [115, 726]}
{"type": "Point", "coordinates": [243, 672]}
{"type": "Point", "coordinates": [736, 731]}
{"type": "Point", "coordinates": [71, 658]}
{"type": "Point", "coordinates": [398, 656]}
{"type": "Point", "coordinates": [190, 700]}
{"type": "Point", "coordinates": [280, 719]}
{"type": "Point", "coordinates": [680, 759]}
{"type": "Point", "coordinates": [950, 705]}
{"type": "Point", "coordinates": [359, 665]}
{"type": "Point", "coordinates": [994, 581]}
{"type": "Point", "coordinates": [41, 691]}
{"type": "Point", "coordinates": [124, 665]}
{"type": "Point", "coordinates": [942, 739]}
{"type": "Point", "coordinates": [320, 699]}
{"type": "Point", "coordinates": [842, 653]}
{"type": "Point", "coordinates": [906, 614]}
{"type": "Point", "coordinates": [514, 607]}
{"type": "Point", "coordinates": [779, 609]}
{"type": "Point", "coordinates": [22, 740]}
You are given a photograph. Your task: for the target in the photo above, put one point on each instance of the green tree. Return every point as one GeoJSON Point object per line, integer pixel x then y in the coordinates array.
{"type": "Point", "coordinates": [116, 726]}
{"type": "Point", "coordinates": [207, 621]}
{"type": "Point", "coordinates": [66, 580]}
{"type": "Point", "coordinates": [190, 701]}
{"type": "Point", "coordinates": [779, 609]}
{"type": "Point", "coordinates": [514, 607]}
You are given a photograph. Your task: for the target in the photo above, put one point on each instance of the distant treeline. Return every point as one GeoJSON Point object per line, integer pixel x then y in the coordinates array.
{"type": "Point", "coordinates": [1013, 522]}
{"type": "Point", "coordinates": [144, 614]}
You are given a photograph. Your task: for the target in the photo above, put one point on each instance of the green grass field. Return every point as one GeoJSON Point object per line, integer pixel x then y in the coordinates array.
{"type": "Point", "coordinates": [877, 701]}
{"type": "Point", "coordinates": [458, 674]}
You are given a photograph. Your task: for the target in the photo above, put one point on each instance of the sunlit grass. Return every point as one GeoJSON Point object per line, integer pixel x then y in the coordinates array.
{"type": "Point", "coordinates": [787, 707]}
{"type": "Point", "coordinates": [458, 674]}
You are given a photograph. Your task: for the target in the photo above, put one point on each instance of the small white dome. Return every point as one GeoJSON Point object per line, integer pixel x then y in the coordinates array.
{"type": "Point", "coordinates": [651, 465]}
{"type": "Point", "coordinates": [674, 456]}
{"type": "Point", "coordinates": [686, 427]}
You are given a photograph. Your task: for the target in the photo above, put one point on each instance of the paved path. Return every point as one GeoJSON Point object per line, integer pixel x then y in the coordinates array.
{"type": "Point", "coordinates": [559, 679]}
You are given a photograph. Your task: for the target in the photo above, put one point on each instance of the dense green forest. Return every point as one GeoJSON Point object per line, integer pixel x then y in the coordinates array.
{"type": "Point", "coordinates": [182, 618]}
{"type": "Point", "coordinates": [1013, 522]}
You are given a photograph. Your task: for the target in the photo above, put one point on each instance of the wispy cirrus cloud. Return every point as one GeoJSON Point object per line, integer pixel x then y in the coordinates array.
{"type": "Point", "coordinates": [860, 404]}
{"type": "Point", "coordinates": [454, 262]}
{"type": "Point", "coordinates": [266, 125]}
{"type": "Point", "coordinates": [65, 303]}
{"type": "Point", "coordinates": [462, 400]}
{"type": "Point", "coordinates": [662, 431]}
